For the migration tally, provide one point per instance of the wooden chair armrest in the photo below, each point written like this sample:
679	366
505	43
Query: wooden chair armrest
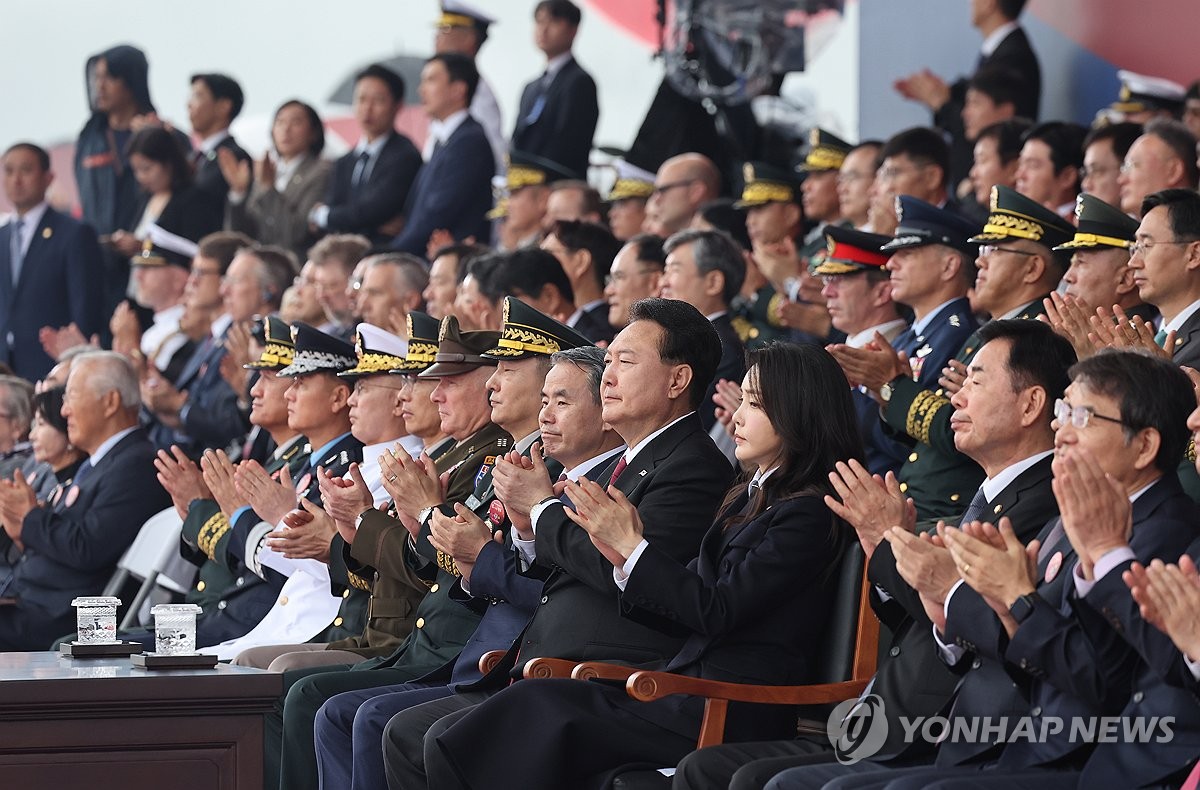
490	660
589	670
647	686
542	668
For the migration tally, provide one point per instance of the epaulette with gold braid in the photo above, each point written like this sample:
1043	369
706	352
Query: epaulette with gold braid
921	413
213	530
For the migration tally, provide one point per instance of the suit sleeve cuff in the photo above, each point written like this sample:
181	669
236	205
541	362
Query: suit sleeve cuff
621	575
1101	568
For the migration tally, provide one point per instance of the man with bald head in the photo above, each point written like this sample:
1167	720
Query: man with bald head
70	547
682	184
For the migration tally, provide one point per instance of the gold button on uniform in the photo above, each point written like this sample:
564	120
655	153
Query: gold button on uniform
420	622
337	621
954	497
912	458
345	593
200	586
903	487
283	600
999	508
433	589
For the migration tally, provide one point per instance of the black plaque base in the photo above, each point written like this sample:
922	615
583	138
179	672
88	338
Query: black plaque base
157	661
117	649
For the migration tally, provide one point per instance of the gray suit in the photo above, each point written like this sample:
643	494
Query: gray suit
273	217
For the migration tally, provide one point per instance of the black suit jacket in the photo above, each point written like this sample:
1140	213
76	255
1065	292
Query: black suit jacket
732	366
209	179
593	324
61	281
190	213
1187	343
559	121
72	548
676	482
912	679
379	200
453	191
1014	52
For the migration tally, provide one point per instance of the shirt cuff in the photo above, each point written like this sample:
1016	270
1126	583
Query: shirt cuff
320	216
526	547
236	198
1100	568
621	575
951	654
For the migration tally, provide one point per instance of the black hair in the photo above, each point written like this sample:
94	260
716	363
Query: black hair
393	81
1153	392
314	122
649	249
463	253
688	338
529	269
1011	9
161	146
560	9
714	250
1008	135
42	156
1037	355
1183	210
1120	135
222	246
723	214
1001	84
460	68
222	86
924	146
1065	141
47	405
596	239
807	399
484	269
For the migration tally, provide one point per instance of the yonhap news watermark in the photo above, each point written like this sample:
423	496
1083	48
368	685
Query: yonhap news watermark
858	729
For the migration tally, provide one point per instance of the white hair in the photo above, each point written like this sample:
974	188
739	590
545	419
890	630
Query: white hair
110	371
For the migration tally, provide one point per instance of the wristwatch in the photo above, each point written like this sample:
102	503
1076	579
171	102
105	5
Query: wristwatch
885	392
424	514
1023	607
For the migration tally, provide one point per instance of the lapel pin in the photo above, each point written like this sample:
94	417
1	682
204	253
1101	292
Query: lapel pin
642	473
47	233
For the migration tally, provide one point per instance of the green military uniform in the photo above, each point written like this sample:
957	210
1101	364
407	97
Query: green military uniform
826	153
757	319
935	473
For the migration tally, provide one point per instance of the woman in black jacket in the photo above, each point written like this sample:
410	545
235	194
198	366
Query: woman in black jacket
754	604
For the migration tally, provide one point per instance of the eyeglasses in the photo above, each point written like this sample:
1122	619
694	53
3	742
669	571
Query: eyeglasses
849	177
1142	247
991	249
659	190
620	277
361	386
1097	171
892	173
1078	416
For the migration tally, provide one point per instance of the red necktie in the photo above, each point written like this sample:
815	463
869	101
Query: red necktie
612	481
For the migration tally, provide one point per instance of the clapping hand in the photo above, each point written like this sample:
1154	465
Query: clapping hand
462	536
413	484
270	499
995	564
1095	508
181	478
1169	597
305	535
869	503
611	521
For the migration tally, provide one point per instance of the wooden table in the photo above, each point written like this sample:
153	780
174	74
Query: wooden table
101	723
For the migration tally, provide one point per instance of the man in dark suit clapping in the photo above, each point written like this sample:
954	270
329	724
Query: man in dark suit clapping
370	184
70	546
453	192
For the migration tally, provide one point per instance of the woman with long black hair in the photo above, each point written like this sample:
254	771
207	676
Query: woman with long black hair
753	605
